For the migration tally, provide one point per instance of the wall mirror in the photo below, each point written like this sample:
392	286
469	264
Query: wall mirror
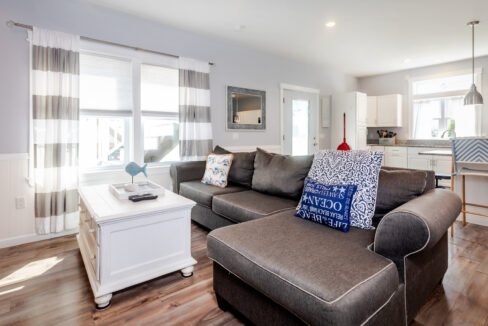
246	108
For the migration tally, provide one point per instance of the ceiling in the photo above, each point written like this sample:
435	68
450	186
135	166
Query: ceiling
370	37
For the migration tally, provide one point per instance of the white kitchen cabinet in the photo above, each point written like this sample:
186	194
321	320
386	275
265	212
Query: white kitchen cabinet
438	164
442	164
419	163
385	111
389	110
377	148
396	156
354	105
372	109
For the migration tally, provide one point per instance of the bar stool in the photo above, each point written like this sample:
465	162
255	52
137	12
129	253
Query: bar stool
442	176
470	155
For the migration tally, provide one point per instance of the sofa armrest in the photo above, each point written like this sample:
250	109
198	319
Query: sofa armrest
416	225
186	171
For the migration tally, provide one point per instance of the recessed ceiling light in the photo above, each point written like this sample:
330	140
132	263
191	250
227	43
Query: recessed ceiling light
330	24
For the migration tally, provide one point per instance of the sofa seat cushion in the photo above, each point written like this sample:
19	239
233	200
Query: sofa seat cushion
203	193
249	205
321	275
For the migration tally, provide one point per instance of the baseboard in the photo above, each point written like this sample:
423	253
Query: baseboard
27	238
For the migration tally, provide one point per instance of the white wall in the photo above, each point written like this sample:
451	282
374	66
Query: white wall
235	65
397	82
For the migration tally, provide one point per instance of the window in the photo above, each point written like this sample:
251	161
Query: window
159	104
106	105
300	116
128	107
438	108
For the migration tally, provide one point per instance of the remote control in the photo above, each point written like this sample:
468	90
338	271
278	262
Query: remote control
136	198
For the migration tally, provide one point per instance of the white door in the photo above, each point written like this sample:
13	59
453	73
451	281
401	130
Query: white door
300	118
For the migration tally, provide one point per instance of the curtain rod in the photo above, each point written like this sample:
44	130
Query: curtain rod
11	24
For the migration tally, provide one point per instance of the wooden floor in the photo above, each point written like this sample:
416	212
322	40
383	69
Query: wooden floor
44	283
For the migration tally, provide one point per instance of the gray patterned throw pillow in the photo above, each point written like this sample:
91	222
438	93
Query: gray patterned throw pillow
360	168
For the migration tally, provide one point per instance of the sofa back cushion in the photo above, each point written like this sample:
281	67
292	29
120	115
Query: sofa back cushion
242	167
396	187
430	179
280	175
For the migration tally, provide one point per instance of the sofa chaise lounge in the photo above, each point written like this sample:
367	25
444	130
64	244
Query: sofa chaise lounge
273	268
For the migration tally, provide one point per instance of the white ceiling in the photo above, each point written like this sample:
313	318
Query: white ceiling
371	36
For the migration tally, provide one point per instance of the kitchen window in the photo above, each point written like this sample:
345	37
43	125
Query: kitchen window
128	107
438	109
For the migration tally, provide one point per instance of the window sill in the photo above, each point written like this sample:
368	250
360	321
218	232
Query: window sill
120	169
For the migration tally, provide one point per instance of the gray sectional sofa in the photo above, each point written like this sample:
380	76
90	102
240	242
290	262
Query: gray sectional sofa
272	268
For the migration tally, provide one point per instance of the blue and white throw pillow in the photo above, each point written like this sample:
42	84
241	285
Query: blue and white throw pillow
217	169
327	205
357	167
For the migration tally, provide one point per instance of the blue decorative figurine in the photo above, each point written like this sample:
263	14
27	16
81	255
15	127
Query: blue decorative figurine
134	169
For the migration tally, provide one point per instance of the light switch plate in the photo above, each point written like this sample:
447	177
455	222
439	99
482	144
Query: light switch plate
20	202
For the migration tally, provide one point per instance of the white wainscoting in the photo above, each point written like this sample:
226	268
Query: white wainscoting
17	225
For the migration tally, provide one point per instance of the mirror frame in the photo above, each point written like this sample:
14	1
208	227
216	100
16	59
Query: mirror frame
236	126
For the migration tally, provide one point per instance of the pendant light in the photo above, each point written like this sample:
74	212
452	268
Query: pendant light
473	97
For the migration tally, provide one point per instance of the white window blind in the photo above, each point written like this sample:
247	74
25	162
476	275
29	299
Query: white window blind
105	83
159	89
129	103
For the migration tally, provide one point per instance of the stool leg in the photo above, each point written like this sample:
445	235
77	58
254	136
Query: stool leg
452	189
464	199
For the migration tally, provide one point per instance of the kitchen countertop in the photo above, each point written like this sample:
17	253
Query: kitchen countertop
438	152
411	145
414	143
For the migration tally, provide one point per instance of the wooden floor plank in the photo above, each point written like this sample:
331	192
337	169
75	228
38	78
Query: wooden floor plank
45	283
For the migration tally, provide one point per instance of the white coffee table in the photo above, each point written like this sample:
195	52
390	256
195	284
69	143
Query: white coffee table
124	243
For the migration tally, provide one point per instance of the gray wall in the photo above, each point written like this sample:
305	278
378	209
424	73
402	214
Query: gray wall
397	82
234	65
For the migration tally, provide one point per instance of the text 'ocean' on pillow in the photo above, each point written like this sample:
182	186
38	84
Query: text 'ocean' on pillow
327	205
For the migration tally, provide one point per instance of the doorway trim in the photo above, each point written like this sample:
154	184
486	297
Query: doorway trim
291	87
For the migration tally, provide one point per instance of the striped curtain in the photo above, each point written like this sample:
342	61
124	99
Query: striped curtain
195	121
55	119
